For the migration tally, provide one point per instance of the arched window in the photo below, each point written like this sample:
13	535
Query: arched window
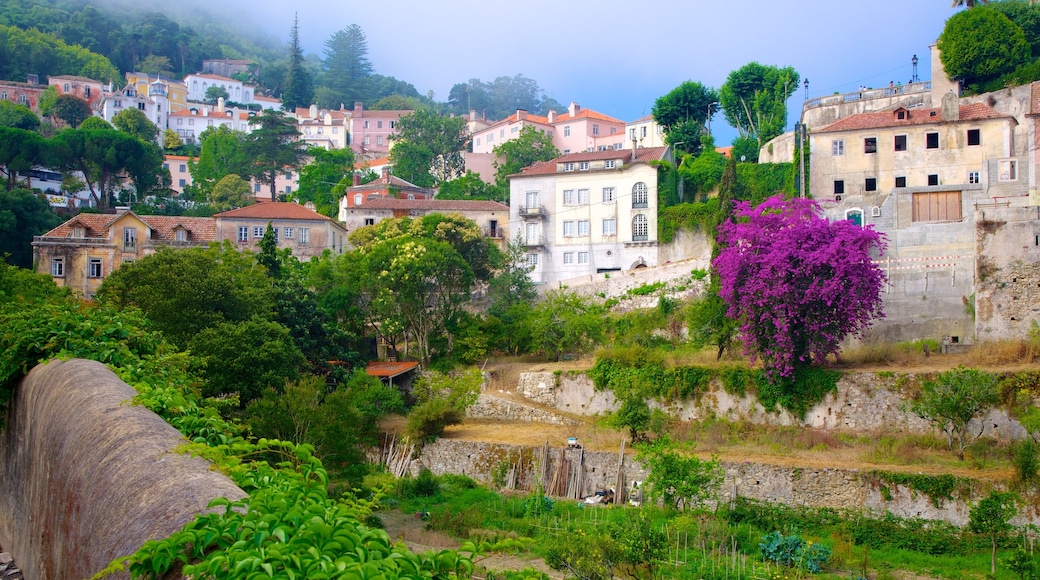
640	195
640	228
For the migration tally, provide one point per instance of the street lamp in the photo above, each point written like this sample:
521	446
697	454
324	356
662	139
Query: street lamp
914	77
806	85
707	124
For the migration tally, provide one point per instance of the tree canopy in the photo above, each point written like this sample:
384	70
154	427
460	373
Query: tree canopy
797	283
136	123
501	97
433	140
298	86
345	68
980	45
23	214
272	148
754	100
324	180
684	111
530	146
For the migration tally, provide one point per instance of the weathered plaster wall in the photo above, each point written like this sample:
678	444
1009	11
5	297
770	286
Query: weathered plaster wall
88	477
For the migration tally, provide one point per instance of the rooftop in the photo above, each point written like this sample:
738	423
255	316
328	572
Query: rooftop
96	225
274	210
626	156
914	116
443	205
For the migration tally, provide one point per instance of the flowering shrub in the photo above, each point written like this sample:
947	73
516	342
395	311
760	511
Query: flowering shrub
798	283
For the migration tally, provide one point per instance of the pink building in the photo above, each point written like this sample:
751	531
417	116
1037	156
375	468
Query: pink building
575	131
180	177
87	89
370	130
27	93
387	186
485	140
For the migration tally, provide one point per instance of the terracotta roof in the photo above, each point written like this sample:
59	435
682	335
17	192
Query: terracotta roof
917	116
649	117
514	118
163	227
389	369
274	210
642	155
177	158
383	182
73	78
264	98
725	151
434	204
585	114
375	162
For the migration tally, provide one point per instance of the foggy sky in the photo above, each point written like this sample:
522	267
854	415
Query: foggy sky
617	56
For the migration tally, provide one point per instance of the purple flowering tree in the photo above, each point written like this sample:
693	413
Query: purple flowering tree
797	283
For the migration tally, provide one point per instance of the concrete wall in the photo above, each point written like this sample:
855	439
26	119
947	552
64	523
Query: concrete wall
88	477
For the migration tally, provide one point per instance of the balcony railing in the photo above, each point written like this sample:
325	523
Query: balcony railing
640	238
532	211
640	204
880	93
493	233
534	242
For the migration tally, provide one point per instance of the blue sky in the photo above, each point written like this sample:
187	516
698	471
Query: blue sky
618	56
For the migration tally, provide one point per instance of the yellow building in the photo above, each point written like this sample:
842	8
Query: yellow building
81	252
177	91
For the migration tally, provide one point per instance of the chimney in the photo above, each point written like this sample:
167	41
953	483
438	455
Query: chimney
220	104
205	112
552	116
357	178
573	108
386	174
314	111
521	114
472	114
32	80
359	109
121	209
951	110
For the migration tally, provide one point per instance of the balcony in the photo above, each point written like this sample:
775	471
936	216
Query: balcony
493	233
640	238
532	212
640	205
534	242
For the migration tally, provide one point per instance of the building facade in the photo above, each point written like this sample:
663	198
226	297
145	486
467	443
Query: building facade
27	93
325	128
387	186
89	90
301	229
588	213
199	83
176	91
490	216
370	130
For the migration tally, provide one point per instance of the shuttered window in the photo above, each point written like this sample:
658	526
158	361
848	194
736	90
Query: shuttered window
939	206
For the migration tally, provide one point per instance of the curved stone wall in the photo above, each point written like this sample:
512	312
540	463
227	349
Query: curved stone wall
87	476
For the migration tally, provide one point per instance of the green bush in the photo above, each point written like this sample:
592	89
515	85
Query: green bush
428	421
794	552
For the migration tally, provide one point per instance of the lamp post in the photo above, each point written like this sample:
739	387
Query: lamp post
707	124
914	61
806	85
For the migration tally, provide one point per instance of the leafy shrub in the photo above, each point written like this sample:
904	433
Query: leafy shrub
423	485
794	552
428	421
1026	463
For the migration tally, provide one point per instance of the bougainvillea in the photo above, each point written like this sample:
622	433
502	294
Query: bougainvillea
798	283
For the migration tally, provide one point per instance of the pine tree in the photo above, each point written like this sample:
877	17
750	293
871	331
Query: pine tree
298	88
346	64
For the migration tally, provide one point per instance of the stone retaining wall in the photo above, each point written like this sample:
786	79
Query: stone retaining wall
492	407
87	476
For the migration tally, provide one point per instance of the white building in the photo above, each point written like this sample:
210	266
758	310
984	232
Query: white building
155	105
199	83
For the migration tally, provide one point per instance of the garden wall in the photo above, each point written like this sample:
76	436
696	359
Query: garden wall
87	476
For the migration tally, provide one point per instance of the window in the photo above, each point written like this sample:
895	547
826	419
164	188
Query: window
490	137
583	227
568	197
609	164
568	229
632	133
258	231
182	168
95	269
933	179
181	235
86	92
368	140
901	182
366	124
358	199
931	140
379	140
289	233
974	137
974	177
583	166
58	267
937	206
838	147
129	238
568	258
476	142
640	195
613	130
274	231
609	227
182	182
568	167
1008	170
900	144
393	124
256	188
640	228
839	186
379	124
871	184
514	129
642	132
595	129
305	236
567	131
583	257
243	234
608	194
870	145
501	132
66	87
288	189
901	114
855	216
583	197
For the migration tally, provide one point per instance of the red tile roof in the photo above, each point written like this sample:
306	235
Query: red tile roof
585	114
441	205
389	369
887	119
642	155
264	98
274	210
163	227
514	118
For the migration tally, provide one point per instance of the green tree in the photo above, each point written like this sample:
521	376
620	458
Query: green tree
96	124
298	87
441	400
991	517
953	400
48	97
412	161
1027	16
754	100
678	476
18	116
684	112
444	137
20	150
469	186
171	140
26	50
272	148
466	237
231	192
702	173
23	214
215	93
103	155
565	322
155	65
512	284
134	122
221	154
71	109
346	66
320	179
528	148
979	45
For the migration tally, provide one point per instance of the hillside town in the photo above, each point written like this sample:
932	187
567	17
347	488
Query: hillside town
366	333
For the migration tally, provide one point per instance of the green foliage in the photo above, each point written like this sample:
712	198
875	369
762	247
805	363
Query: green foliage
953	399
991	517
20	150
691	216
23	214
754	100
437	141
677	476
18	116
298	86
565	322
134	122
231	192
526	149
1027	464
760	181
1024	564
939	488
324	180
346	67
215	93
459	389
801	392
636	372
981	44
470	186
104	157
794	552
426	422
272	147
71	109
684	111
702	173
221	154
29	51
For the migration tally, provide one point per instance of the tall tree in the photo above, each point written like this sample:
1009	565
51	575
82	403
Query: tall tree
797	283
221	154
18	116
345	66
136	123
23	214
71	109
991	516
443	137
979	45
20	150
102	155
754	99
684	111
273	147
298	87
530	146
320	179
